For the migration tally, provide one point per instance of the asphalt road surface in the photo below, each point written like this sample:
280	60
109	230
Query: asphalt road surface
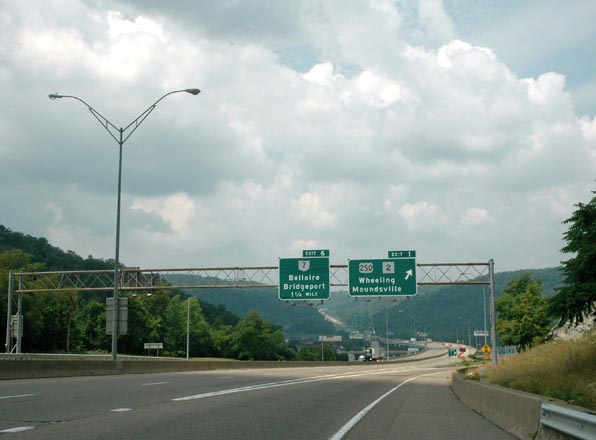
366	401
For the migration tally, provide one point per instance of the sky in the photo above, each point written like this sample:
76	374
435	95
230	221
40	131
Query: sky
464	130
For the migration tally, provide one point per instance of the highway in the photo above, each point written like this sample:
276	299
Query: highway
364	401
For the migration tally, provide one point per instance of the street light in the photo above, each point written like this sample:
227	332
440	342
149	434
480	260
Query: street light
120	135
188	328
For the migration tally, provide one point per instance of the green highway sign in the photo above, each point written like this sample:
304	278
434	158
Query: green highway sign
316	253
304	279
382	277
452	352
402	254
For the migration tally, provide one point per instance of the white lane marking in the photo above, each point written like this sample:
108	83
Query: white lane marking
285	383
120	410
154	383
17	429
19	395
225	377
354	420
242	389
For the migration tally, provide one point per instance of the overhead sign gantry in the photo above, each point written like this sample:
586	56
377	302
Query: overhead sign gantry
326	276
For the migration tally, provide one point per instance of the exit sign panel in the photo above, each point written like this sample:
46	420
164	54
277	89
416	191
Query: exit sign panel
304	278
382	277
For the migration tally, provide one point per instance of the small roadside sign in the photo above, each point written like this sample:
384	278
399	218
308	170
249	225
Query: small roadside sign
486	349
402	254
330	339
316	253
452	352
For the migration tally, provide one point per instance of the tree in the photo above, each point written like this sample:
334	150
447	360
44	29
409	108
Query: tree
256	339
143	326
313	353
15	260
577	297
522	313
94	327
200	337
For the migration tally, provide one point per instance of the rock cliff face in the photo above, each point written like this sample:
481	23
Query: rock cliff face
570	331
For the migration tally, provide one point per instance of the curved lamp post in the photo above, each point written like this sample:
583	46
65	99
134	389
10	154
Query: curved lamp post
120	135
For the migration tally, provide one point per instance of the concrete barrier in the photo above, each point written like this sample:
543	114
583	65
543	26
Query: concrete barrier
514	411
29	366
40	368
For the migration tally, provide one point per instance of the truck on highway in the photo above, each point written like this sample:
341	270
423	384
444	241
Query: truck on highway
374	354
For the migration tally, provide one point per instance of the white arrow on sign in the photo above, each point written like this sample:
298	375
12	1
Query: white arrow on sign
409	274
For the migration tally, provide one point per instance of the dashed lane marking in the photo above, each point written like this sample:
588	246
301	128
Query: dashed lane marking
18	395
17	429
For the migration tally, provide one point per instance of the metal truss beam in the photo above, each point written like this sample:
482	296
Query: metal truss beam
133	279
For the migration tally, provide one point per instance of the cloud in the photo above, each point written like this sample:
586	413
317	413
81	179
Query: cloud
309	208
476	217
178	210
387	127
422	216
433	16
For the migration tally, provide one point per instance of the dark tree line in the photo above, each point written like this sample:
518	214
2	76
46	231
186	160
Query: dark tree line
75	322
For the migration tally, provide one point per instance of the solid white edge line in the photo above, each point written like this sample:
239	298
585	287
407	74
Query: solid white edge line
17	429
354	420
154	383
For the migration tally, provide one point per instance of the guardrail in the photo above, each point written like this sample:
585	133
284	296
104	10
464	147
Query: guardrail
577	424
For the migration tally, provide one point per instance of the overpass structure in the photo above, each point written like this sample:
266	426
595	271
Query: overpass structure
137	279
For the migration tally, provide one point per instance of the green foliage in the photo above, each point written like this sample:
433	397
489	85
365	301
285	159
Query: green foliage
15	260
256	339
94	327
578	295
76	322
200	335
446	311
559	369
296	322
217	314
51	257
313	353
522	313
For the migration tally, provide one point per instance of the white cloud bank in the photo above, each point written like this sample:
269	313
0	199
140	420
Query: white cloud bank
379	144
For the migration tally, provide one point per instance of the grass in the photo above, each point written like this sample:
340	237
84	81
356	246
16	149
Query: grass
564	370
